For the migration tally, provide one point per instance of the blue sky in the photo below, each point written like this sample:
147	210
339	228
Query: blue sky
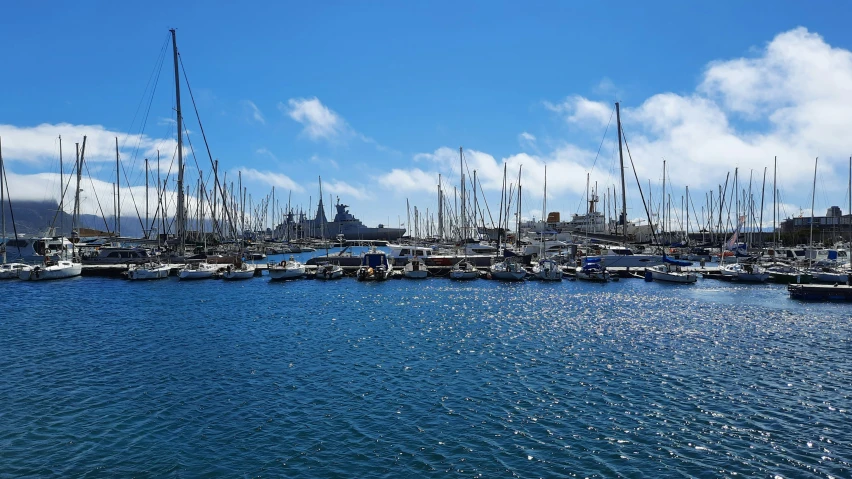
377	96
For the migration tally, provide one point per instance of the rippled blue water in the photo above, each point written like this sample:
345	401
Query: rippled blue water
108	378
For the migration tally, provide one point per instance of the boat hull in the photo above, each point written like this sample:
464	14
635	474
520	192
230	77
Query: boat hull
672	277
11	270
65	269
139	274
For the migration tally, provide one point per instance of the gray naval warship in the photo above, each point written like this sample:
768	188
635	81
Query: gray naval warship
349	226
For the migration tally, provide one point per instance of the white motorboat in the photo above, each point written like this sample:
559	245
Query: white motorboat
592	270
148	271
327	270
622	257
51	270
290	269
374	266
11	270
415	268
744	272
243	271
464	270
547	270
828	275
508	270
197	271
670	273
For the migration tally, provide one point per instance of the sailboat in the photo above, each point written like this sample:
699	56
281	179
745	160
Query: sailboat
241	270
415	268
465	269
510	269
290	269
546	269
7	270
64	264
148	271
326	269
591	269
375	266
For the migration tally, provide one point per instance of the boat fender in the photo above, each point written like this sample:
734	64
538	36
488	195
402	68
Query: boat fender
649	276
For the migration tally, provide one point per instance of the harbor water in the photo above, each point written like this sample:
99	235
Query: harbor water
110	378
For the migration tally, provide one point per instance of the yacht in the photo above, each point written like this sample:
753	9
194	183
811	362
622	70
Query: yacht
51	270
197	271
148	271
464	270
623	257
509	269
290	269
374	266
547	270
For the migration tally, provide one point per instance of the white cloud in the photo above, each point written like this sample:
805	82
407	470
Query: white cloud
320	122
255	112
792	99
344	189
410	180
527	140
39	145
582	111
268	178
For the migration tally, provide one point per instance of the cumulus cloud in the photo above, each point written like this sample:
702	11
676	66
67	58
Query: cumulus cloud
342	188
319	121
269	178
39	145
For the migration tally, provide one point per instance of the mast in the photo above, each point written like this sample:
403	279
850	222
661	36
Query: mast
518	212
461	171
117	192
623	186
475	209
61	196
762	193
216	198
813	197
3	201
775	199
440	209
146	197
850	204
543	213
181	213
665	216
76	222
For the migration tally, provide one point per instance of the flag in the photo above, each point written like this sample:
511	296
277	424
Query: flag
733	241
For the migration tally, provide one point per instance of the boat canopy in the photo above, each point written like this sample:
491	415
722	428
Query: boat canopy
374	260
676	262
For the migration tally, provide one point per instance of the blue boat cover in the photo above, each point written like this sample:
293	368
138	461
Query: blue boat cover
373	260
591	260
676	262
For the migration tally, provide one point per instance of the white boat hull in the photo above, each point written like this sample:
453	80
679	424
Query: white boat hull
236	274
11	270
62	270
463	274
672	276
146	273
276	274
744	274
547	270
330	273
200	271
599	276
509	275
